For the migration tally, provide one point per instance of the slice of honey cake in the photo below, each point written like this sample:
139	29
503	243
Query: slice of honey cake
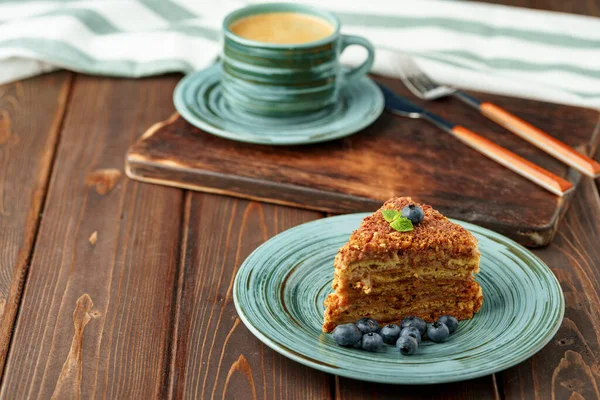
391	268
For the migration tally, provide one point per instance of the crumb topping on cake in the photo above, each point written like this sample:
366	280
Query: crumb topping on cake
376	239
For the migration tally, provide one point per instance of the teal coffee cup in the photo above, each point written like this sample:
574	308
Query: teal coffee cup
283	59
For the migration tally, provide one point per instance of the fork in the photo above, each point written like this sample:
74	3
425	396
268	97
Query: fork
425	88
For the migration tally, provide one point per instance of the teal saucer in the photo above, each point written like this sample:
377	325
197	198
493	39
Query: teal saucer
199	99
280	288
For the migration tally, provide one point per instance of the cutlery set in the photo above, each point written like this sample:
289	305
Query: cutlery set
425	88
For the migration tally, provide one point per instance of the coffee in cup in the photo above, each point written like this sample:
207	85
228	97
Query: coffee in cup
282	28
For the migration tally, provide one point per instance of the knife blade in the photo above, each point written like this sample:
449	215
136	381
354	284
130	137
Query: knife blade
396	103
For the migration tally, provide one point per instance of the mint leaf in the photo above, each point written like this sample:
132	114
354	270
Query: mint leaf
390	215
402	224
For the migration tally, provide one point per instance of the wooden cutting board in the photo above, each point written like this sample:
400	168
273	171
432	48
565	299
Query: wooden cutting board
395	156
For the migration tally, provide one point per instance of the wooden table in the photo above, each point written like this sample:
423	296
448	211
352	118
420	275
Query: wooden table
111	288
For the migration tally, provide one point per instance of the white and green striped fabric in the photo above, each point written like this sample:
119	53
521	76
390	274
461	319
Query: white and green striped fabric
519	52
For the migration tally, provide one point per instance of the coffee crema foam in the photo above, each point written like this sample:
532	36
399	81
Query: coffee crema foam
282	28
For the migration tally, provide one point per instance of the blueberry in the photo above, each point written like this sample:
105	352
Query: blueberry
415	322
414	213
407	345
412	332
451	322
438	332
367	325
346	335
390	333
371	341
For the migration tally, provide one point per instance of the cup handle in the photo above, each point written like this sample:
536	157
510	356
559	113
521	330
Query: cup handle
362	69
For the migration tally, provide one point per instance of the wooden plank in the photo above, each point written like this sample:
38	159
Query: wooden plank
477	389
96	313
393	157
569	366
215	356
31	112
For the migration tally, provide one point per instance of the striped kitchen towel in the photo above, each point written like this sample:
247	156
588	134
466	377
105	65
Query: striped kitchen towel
519	52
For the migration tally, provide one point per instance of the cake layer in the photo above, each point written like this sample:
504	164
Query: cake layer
384	312
436	237
343	303
376	286
368	277
457	265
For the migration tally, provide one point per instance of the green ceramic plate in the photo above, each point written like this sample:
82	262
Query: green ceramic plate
280	288
199	99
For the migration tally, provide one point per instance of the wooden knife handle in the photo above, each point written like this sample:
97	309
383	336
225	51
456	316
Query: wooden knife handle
529	170
541	139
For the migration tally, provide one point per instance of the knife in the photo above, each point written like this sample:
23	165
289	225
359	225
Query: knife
401	106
